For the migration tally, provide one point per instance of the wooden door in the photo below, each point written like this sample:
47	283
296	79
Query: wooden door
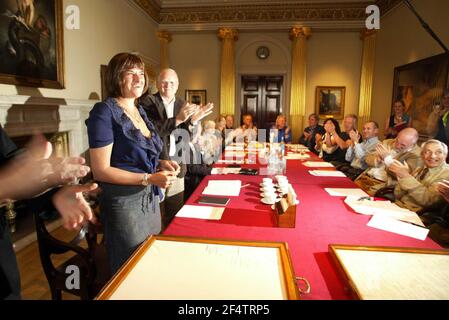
262	97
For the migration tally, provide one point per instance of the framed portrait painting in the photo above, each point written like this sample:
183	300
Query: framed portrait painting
420	86
196	96
31	43
330	102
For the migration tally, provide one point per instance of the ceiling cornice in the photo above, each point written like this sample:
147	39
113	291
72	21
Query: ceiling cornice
345	15
151	7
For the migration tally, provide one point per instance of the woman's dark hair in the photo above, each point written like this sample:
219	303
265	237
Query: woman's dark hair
119	64
335	122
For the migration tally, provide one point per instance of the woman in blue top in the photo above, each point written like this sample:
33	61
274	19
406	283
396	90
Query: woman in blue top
284	132
124	152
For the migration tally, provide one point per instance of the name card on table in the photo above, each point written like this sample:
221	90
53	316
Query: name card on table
318	164
223	188
399	227
384	208
345	192
200	212
327	173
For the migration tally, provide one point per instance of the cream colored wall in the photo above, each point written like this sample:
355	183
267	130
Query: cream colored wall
334	59
277	63
402	40
107	27
196	59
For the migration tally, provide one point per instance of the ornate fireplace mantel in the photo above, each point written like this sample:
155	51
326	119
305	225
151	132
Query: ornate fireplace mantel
25	115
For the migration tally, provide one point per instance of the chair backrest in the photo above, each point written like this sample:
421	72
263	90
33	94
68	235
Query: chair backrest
58	276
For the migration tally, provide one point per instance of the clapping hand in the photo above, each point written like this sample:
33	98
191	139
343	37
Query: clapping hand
33	172
382	152
354	135
401	170
73	207
307	136
202	112
186	111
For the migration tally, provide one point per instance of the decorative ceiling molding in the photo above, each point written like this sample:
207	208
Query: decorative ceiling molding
151	7
387	5
273	16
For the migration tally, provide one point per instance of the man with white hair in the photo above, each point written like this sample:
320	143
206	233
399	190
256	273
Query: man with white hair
403	148
418	190
168	113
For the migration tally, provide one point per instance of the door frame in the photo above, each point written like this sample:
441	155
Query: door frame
285	98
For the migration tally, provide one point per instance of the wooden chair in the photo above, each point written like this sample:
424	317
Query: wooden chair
91	262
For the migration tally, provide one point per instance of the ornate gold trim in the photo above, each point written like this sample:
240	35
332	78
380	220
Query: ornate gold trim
296	32
164	35
228	33
150	7
274	12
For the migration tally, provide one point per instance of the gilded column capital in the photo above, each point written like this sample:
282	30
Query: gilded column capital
298	32
228	33
164	35
367	33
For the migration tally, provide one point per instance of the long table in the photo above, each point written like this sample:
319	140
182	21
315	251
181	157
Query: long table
320	220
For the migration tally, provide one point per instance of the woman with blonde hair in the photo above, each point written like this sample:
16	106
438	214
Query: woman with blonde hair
283	131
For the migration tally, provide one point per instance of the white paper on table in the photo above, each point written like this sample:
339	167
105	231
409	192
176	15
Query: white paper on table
200	212
326	173
296	156
223	188
399	227
234	148
234	154
231	161
383	208
225	171
318	164
345	192
298	146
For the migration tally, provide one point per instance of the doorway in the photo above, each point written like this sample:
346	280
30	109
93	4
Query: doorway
261	96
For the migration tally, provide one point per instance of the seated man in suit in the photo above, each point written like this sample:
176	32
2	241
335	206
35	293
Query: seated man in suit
168	112
418	190
312	133
357	152
403	148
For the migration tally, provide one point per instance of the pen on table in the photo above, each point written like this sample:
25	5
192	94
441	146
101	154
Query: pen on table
245	185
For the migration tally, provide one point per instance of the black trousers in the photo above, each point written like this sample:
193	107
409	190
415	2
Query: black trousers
170	207
9	270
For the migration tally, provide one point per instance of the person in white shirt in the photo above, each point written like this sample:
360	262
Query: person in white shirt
357	152
169	112
247	131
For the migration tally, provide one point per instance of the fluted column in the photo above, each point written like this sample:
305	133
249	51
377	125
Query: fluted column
298	35
164	39
228	37
366	78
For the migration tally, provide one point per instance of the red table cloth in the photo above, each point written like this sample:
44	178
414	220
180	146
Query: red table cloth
320	220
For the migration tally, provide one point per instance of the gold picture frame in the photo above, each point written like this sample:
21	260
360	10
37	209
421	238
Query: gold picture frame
393	273
33	37
199	268
330	102
198	97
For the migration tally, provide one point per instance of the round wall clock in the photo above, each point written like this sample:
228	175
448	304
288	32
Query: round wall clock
262	52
